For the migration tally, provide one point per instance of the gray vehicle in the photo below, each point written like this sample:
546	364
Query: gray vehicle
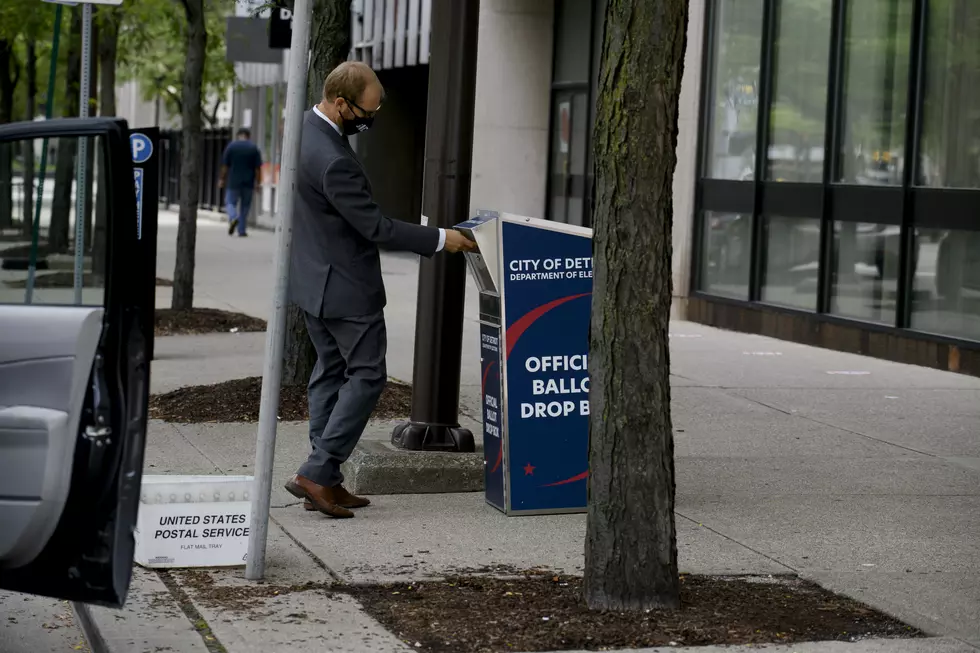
74	384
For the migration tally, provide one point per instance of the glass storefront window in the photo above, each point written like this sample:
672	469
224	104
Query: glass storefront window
792	262
946	297
799	109
572	35
950	146
734	96
876	69
725	255
866	270
569	174
866	260
569	142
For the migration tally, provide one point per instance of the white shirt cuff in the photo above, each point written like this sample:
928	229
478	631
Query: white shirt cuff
442	240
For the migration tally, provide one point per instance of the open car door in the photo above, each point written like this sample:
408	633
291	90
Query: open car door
74	374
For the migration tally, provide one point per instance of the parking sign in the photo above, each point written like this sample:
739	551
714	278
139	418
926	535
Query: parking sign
138	176
142	148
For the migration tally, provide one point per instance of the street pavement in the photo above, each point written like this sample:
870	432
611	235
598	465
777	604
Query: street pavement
35	624
861	474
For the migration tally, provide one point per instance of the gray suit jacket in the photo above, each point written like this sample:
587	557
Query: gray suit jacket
335	266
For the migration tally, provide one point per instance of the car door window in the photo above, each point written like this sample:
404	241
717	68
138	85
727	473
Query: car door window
52	247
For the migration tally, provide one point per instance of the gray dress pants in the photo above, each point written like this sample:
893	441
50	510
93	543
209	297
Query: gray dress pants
344	389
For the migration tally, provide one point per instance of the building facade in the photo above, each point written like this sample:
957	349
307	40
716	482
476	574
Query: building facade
859	228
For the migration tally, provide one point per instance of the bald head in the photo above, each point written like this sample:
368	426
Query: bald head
349	80
352	95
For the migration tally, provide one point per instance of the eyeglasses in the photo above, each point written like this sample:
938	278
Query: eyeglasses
367	114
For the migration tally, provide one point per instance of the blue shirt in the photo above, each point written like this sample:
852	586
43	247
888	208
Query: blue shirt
241	158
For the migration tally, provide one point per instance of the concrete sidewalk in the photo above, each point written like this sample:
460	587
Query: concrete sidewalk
861	474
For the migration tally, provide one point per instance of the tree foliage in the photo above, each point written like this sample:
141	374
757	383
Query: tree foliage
152	40
23	22
152	46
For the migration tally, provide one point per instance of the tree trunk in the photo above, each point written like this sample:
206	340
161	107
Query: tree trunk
7	86
631	543
64	171
30	113
190	154
107	51
330	46
91	95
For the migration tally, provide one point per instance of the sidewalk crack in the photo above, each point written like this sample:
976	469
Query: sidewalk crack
741	544
320	563
839	428
196	448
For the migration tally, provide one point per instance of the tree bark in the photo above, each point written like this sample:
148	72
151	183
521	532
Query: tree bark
330	46
631	543
6	81
64	172
107	51
30	113
190	153
8	84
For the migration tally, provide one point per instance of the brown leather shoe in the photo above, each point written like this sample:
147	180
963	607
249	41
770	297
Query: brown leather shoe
344	499
320	497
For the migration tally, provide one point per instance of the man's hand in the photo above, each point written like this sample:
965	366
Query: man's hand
221	182
457	242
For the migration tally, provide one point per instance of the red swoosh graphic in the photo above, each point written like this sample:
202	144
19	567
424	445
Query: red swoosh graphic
486	373
574	479
517	329
500	457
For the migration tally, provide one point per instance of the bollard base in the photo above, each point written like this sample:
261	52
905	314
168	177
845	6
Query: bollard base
376	468
415	436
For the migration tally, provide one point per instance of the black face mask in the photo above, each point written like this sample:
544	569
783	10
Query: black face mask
357	124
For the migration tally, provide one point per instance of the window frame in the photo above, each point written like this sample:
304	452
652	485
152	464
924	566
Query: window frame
561	88
908	206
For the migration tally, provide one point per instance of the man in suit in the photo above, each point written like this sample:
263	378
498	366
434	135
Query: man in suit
335	277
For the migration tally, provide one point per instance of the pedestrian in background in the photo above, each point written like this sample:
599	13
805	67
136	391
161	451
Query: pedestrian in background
335	277
241	174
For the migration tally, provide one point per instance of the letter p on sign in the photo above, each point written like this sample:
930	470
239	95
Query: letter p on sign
141	146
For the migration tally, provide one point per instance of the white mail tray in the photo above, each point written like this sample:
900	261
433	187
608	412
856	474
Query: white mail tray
193	521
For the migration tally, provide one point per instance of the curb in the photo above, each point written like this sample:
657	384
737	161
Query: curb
93	636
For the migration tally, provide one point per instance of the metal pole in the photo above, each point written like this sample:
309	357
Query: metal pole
39	197
276	121
259	137
81	187
265	448
445	199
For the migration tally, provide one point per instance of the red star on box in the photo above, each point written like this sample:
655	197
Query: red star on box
529	470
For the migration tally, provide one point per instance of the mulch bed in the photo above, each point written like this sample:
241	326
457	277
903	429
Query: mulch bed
24	251
66	279
547	613
13	236
197	321
537	611
238	401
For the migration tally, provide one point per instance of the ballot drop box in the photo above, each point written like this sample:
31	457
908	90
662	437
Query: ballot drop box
535	283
